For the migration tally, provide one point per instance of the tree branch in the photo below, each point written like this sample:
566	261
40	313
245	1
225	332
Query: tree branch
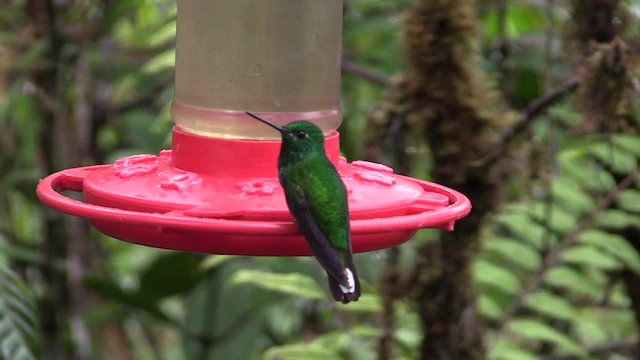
525	118
365	73
554	255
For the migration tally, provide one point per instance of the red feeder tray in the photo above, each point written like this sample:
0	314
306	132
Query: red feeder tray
222	196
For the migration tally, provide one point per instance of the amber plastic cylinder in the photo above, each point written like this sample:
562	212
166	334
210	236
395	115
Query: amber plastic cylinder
277	58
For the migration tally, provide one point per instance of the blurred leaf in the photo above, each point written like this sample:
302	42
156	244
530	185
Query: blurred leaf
559	219
26	126
378	25
617	219
618	160
300	352
585	172
366	303
489	308
612	323
566	114
409	337
590	256
24	217
366	331
107	137
114	292
171	274
590	329
569	278
34	53
528	258
615	245
138	124
536	330
293	284
629	200
522	226
165	34
213	261
520	20
20	253
283	322
551	305
505	350
335	340
161	62
117	9
628	142
570	196
528	78
490	274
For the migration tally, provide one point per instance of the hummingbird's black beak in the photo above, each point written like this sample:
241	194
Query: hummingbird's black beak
265	121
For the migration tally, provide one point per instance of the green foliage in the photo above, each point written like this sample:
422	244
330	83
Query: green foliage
614	245
19	326
300	352
629	200
496	276
176	304
522	19
112	291
528	258
525	233
569	278
171	274
551	305
505	350
293	284
533	329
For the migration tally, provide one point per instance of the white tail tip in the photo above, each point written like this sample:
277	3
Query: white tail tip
350	280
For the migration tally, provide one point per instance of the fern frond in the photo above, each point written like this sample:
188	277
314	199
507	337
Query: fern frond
547	265
18	321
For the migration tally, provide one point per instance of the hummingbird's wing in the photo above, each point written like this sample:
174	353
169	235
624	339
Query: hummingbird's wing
321	247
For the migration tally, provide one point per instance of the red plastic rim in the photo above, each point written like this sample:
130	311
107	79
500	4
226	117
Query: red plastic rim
233	204
260	237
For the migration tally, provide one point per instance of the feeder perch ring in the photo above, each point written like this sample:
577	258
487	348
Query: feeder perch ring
183	200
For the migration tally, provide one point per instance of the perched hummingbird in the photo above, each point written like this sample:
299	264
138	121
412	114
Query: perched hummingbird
317	199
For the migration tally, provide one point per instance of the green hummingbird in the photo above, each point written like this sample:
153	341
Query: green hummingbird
317	199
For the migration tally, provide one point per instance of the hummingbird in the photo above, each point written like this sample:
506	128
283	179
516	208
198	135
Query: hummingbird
317	199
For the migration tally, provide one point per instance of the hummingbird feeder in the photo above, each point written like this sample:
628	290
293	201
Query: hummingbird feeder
217	190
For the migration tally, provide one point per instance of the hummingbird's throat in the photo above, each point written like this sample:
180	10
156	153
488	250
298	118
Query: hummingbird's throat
350	281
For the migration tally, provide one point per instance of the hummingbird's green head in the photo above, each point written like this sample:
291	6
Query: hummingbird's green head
302	136
298	137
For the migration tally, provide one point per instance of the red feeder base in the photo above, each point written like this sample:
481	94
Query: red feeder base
222	196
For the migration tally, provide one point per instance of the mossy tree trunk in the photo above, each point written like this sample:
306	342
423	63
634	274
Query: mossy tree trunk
452	102
445	97
610	57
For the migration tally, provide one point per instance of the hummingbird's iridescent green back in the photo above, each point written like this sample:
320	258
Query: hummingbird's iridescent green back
317	199
310	180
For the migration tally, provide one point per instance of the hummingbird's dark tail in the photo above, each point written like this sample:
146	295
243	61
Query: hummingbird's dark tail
350	290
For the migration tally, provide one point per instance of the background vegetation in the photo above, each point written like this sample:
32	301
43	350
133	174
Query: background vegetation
529	107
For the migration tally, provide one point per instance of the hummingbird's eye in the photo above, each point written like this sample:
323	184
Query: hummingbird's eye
300	134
